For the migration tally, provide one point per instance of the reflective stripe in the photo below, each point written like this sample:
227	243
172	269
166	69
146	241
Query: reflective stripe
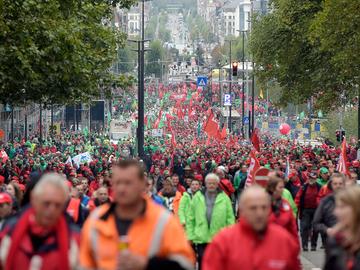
94	234
158	233
183	261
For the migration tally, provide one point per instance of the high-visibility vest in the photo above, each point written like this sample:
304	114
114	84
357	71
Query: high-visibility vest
156	233
73	209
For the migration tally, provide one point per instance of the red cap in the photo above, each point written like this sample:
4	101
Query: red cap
5	198
22	187
356	164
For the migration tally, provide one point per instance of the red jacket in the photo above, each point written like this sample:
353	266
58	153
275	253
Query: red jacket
226	186
286	219
240	247
47	256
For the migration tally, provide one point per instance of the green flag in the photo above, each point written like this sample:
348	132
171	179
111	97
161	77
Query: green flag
302	115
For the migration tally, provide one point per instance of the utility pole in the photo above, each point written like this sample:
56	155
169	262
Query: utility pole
141	68
230	90
12	123
221	94
252	98
52	120
26	124
358	114
41	134
243	84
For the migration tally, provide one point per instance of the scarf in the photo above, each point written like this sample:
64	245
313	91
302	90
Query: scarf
26	222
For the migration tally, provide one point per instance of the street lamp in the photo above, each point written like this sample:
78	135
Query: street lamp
230	90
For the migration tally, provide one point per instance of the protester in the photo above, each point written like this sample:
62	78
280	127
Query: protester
185	202
101	197
324	217
176	182
151	192
253	243
281	212
209	212
75	210
40	237
133	232
6	207
343	248
306	201
170	195
14	190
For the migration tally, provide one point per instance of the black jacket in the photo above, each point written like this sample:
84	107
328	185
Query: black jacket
337	257
324	217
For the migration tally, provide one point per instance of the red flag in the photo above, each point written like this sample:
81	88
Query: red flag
255	140
341	167
254	166
146	120
211	127
173	139
223	133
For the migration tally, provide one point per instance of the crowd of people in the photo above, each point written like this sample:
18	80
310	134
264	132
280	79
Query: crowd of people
188	203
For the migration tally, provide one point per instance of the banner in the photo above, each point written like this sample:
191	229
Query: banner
82	158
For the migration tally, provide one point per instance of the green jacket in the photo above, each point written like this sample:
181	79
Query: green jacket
321	181
288	197
184	207
199	231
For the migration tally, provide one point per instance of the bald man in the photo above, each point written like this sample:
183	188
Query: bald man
253	243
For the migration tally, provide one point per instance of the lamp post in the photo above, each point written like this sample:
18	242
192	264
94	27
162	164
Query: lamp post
230	90
221	94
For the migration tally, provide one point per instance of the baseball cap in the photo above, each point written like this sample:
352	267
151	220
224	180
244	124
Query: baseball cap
5	198
324	170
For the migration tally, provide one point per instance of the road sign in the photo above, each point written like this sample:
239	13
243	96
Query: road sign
261	176
202	81
246	120
227	100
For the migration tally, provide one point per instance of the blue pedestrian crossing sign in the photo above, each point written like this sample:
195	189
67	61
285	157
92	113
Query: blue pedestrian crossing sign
246	120
202	81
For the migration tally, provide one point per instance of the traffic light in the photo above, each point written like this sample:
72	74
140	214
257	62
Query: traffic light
340	135
235	68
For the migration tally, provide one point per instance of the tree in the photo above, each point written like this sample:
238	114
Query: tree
337	29
155	54
56	51
287	48
125	60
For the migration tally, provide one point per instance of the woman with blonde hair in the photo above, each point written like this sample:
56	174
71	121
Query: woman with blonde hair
343	247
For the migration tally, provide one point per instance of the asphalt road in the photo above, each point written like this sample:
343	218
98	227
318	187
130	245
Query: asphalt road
313	260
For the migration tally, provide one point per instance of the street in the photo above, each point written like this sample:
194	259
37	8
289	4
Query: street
312	260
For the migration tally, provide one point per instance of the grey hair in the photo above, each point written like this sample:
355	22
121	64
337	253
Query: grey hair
212	176
53	179
338	175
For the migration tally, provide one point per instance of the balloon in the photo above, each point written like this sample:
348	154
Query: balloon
284	129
